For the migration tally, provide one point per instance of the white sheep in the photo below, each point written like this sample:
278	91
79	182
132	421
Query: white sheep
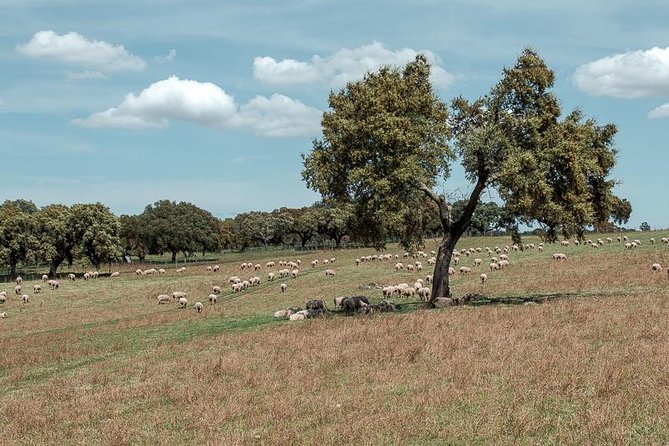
178	295
73	277
428	279
216	268
465	270
3	315
559	256
17	289
199	307
53	284
183	302
150	271
424	293
213	299
329	272
656	267
281	314
399	266
114	274
297	317
314	263
478	262
209	268
163	299
483	277
410	267
87	276
494	266
294	273
37	289
181	270
451	270
45	278
270	276
216	289
25	298
161	271
283	287
19	280
357	262
652	240
138	271
257	267
3	298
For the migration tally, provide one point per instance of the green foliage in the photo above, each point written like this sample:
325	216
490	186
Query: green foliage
644	226
97	231
18	242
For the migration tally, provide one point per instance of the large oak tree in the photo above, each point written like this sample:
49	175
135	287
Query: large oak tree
388	140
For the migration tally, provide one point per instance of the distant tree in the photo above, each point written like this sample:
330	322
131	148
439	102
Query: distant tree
644	226
385	143
18	241
57	239
135	236
333	221
97	233
181	227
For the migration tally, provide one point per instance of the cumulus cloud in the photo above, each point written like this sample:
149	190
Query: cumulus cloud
660	112
73	48
343	66
206	104
634	74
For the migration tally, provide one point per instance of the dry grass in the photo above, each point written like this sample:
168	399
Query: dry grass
101	363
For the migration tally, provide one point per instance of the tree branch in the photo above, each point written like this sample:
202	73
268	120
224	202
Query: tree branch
444	211
465	220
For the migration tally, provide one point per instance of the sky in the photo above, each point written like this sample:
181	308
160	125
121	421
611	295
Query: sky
212	102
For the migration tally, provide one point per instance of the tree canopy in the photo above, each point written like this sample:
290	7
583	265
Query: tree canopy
388	140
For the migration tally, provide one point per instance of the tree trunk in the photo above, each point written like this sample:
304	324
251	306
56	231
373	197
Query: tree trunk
440	278
174	256
53	267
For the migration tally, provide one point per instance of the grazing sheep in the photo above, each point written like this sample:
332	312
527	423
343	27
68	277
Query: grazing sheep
559	256
313	263
138	271
409	291
399	266
54	284
237	287
199	307
45	278
216	268
451	270
150	271
25	298
161	271
294	273
503	264
17	289
329	272
283	287
183	302
163	299
73	277
114	274
483	277
87	276
357	262
37	289
494	266
3	298
465	270
213	299
209	268
424	293
270	276
410	267
182	269
3	315
19	280
656	267
216	289
178	295
257	267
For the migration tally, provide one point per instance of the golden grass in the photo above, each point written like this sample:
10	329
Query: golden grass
100	363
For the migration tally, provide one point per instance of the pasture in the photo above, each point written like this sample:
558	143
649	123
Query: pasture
100	362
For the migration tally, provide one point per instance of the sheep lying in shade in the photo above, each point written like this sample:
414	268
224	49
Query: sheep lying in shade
199	307
163	299
656	267
183	302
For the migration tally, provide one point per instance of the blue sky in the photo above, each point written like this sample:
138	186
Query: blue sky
211	102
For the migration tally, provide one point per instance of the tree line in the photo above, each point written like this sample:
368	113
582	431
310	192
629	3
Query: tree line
58	234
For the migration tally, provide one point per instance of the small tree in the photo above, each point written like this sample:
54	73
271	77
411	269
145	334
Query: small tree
385	143
644	226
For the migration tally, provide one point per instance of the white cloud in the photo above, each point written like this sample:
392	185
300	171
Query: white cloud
343	66
278	116
73	48
82	75
206	104
660	112
167	58
635	74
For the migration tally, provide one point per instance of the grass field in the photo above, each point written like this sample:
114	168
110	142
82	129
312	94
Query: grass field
99	362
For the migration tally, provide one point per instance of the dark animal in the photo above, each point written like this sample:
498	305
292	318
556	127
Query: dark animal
350	305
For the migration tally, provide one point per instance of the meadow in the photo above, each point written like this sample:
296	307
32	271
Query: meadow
583	362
